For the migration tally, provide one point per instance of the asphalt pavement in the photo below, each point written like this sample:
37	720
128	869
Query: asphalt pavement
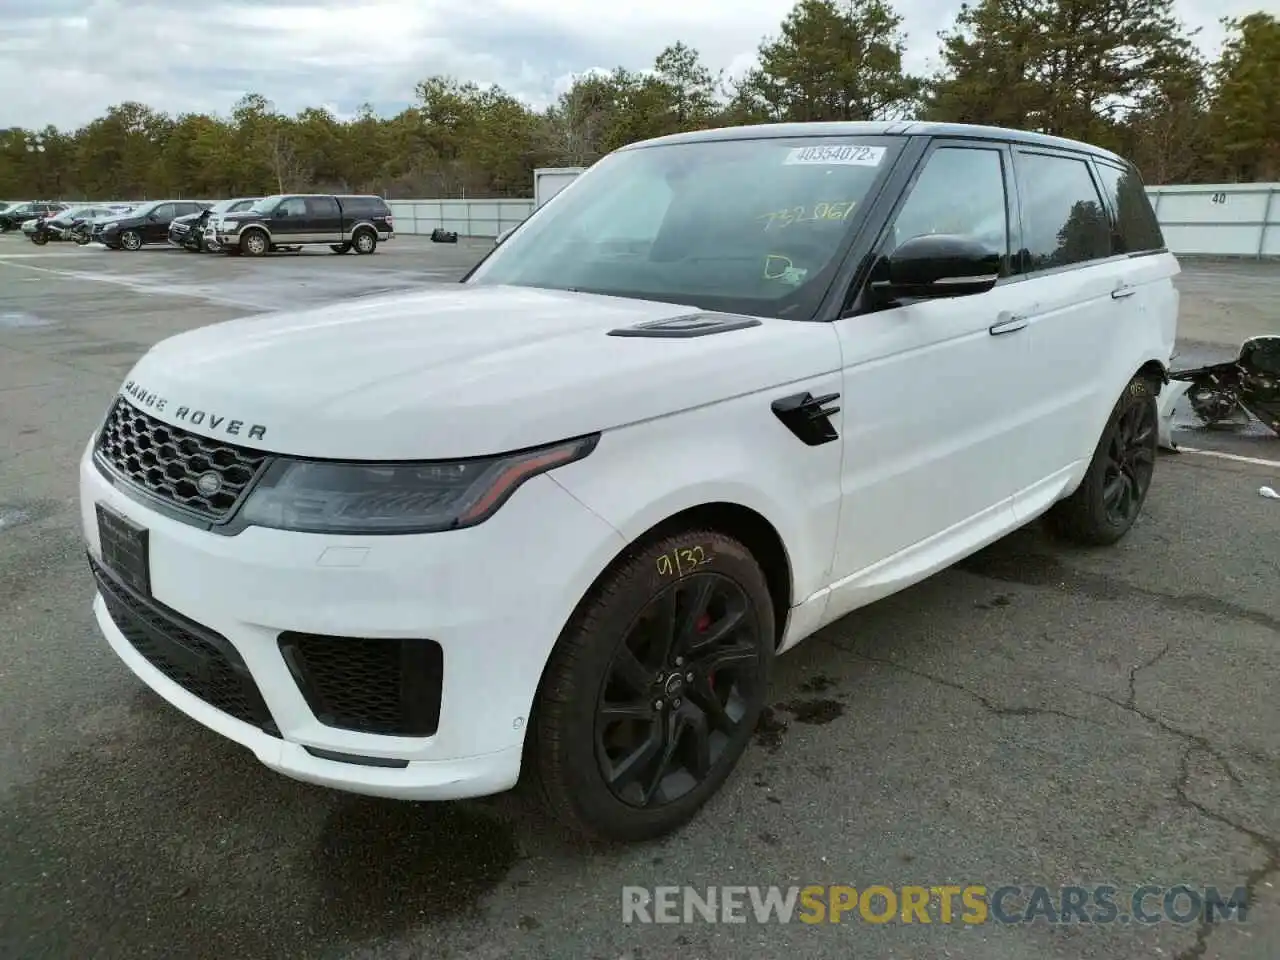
1035	716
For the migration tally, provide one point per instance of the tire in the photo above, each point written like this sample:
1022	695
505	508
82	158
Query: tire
364	241
39	239
82	238
131	240
255	243
590	660
340	247
1099	513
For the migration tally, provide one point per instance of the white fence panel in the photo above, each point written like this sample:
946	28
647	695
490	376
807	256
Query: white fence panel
467	218
1219	219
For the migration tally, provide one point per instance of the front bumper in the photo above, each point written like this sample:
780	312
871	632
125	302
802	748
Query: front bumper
494	597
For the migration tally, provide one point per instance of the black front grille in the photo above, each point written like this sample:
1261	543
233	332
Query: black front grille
170	463
202	662
390	687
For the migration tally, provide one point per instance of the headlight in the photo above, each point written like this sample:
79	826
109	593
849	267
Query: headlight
110	226
385	498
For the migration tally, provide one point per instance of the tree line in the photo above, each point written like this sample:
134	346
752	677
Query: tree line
1124	74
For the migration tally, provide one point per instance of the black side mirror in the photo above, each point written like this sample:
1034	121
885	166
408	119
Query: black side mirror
935	266
153	217
281	212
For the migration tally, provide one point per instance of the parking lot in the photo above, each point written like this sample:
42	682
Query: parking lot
1036	716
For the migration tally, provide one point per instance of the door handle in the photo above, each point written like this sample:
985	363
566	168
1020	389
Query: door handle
1119	293
1007	325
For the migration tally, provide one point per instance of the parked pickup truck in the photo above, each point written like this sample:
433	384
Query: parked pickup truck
343	223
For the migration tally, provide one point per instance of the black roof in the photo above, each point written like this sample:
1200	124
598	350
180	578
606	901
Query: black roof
900	128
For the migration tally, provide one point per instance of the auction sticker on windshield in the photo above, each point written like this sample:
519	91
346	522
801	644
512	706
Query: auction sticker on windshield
843	153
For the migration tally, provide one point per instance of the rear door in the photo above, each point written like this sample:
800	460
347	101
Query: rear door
326	219
1072	272
289	221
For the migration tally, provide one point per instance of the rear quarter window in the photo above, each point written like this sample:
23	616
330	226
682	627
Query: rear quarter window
1137	229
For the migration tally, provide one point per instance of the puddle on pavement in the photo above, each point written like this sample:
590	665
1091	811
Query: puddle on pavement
814	712
23	321
770	729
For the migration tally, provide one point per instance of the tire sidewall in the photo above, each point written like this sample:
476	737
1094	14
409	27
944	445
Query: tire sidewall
1138	391
594	639
246	243
364	242
126	245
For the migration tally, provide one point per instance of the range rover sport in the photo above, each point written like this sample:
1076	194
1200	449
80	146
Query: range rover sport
558	520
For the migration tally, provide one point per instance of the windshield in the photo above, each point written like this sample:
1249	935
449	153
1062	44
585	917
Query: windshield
145	209
265	204
744	226
71	213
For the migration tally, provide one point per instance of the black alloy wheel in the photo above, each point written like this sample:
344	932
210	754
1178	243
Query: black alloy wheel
1131	462
654	688
1110	498
677	690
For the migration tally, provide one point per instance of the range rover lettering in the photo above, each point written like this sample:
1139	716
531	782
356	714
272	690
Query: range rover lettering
558	520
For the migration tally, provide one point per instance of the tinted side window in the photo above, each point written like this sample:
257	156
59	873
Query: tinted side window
164	212
294	206
242	205
322	206
1136	224
959	191
1064	220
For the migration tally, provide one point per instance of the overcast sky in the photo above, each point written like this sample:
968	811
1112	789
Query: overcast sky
65	61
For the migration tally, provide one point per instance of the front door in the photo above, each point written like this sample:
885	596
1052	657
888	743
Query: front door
933	393
289	222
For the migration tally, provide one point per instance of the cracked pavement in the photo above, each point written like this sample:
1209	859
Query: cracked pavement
1036	715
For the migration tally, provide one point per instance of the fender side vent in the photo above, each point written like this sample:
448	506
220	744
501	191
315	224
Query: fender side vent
698	325
808	417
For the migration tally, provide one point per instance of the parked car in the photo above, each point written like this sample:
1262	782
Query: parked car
19	213
342	222
61	225
85	231
147	224
197	231
560	518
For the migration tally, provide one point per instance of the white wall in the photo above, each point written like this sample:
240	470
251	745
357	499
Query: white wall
1232	219
467	218
1227	219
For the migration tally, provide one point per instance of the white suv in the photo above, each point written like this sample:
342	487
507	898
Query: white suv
724	389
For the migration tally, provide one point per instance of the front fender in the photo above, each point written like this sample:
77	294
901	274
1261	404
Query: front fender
734	452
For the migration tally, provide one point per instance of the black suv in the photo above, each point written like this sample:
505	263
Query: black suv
15	216
195	230
342	223
149	223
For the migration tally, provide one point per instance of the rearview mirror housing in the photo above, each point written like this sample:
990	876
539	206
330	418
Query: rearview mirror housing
936	266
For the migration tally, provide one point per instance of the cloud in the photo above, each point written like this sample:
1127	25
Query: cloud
65	61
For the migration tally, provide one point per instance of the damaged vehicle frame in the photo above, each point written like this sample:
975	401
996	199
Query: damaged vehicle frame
558	520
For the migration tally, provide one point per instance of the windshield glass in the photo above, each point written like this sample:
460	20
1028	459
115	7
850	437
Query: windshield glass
744	226
265	204
145	209
71	213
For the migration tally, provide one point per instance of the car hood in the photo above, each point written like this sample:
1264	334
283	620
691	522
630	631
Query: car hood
458	371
